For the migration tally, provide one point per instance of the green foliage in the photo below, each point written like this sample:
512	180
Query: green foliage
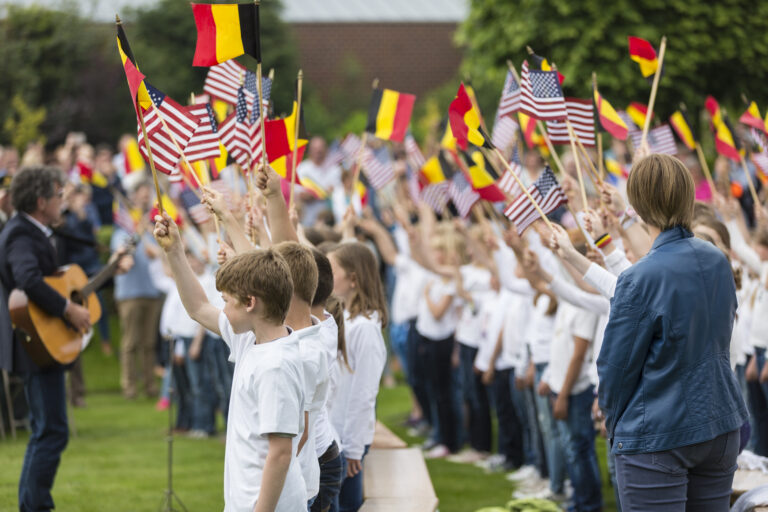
22	125
713	48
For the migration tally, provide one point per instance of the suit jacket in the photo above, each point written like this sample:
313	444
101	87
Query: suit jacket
26	256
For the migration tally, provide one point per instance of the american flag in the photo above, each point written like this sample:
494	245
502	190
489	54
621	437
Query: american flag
224	80
413	154
223	188
547	194
181	123
461	193
350	147
240	136
377	166
197	211
204	143
507	183
504	130
761	163
660	140
581	116
542	97
436	195
252	92
510	97
334	156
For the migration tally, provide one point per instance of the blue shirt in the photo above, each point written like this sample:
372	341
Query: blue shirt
136	283
664	367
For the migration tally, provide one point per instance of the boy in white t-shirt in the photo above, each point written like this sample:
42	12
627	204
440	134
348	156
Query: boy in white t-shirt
266	416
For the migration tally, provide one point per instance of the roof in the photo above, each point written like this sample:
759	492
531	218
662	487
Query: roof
375	11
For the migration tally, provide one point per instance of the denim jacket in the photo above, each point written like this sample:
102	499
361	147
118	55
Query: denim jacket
664	368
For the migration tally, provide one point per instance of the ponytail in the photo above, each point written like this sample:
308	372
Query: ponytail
335	307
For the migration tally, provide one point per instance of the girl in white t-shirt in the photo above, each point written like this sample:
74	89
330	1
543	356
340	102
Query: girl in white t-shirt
356	281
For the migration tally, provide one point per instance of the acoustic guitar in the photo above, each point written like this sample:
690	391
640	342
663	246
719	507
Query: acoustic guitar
50	340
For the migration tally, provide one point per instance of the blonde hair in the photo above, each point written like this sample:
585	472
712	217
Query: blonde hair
259	273
359	263
661	190
301	263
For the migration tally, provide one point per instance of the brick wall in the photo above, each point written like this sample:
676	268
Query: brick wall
408	57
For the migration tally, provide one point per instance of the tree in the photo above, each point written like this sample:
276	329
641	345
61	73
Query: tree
713	48
22	125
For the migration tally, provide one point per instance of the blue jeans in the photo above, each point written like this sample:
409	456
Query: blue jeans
331	477
201	387
758	401
398	339
696	477
181	390
441	384
476	399
351	496
578	435
222	372
553	447
526	412
510	435
49	433
417	371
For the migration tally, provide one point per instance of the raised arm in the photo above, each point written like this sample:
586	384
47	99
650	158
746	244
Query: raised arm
381	238
214	200
268	181
192	294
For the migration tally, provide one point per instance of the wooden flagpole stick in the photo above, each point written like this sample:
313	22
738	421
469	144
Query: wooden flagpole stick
215	218
176	144
299	80
151	162
578	223
261	117
525	190
705	167
550	146
749	180
572	137
591	165
598	132
654	88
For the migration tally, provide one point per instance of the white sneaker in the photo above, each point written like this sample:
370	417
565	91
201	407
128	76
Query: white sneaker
492	461
438	452
468	456
522	473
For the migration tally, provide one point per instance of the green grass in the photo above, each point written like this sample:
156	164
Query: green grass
117	461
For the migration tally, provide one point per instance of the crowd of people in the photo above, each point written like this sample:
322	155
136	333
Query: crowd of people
481	320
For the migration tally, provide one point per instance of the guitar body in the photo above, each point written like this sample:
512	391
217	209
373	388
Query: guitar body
48	339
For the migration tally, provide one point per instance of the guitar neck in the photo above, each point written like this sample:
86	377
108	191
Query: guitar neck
99	279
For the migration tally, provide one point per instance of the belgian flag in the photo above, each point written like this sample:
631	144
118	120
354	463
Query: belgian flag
609	119
389	114
465	122
226	31
280	141
135	78
637	112
751	117
642	52
483	177
682	127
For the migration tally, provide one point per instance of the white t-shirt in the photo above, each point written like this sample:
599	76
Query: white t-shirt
410	279
540	330
315	366
327	177
477	282
322	428
267	398
174	320
514	349
426	324
353	410
491	317
570	321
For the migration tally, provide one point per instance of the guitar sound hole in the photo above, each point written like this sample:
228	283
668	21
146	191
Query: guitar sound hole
76	297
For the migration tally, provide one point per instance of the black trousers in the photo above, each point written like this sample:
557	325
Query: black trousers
441	389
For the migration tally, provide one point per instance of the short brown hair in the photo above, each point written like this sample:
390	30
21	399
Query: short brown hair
324	278
301	262
661	190
258	273
359	263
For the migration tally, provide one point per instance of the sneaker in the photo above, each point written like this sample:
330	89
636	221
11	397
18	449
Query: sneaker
163	404
197	434
533	487
492	463
469	456
429	444
522	473
438	452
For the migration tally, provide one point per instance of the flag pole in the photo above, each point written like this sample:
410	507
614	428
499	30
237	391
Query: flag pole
591	164
299	80
524	189
363	142
654	88
749	179
151	161
598	132
572	137
699	153
176	144
261	117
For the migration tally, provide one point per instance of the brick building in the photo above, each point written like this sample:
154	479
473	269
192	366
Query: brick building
345	44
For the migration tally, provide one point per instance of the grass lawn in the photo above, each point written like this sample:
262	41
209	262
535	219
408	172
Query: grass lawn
117	460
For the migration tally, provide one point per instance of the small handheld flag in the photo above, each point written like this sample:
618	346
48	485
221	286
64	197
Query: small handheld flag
225	31
683	129
642	52
465	122
609	119
751	117
389	114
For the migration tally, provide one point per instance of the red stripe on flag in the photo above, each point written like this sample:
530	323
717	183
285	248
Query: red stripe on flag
402	116
205	51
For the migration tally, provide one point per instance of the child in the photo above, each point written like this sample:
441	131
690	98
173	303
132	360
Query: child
261	472
356	281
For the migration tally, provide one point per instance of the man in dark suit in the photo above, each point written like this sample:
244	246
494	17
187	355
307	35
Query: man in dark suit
27	254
